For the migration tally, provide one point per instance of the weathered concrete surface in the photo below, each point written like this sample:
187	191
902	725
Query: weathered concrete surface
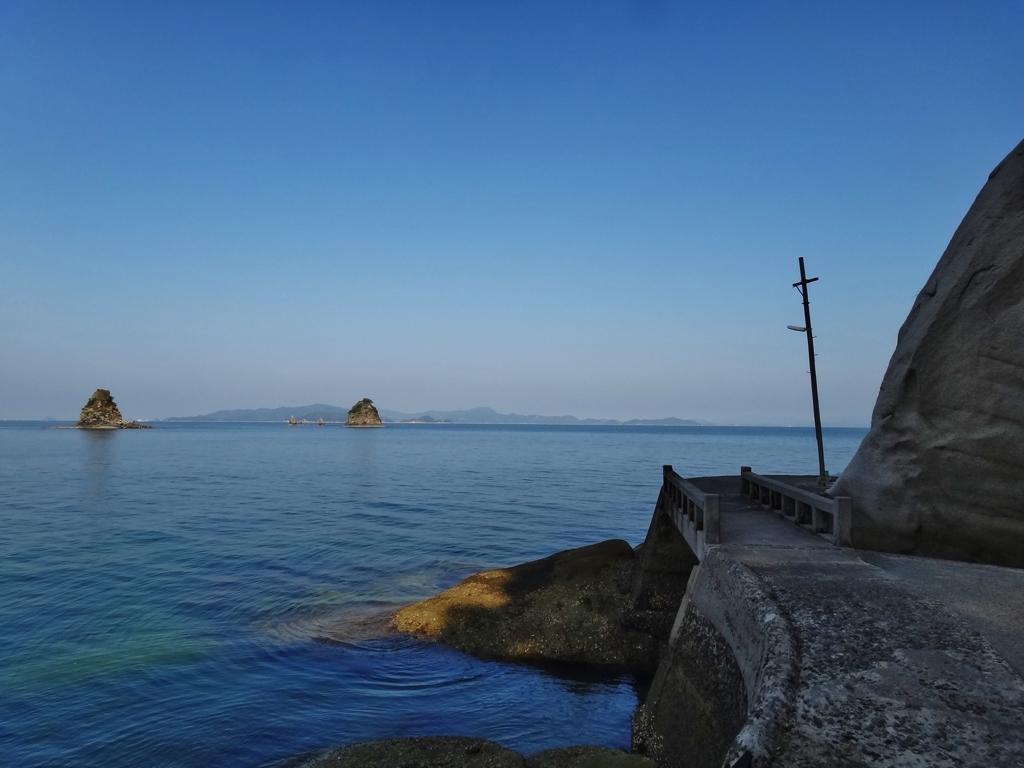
663	568
565	608
660	574
844	662
697	702
726	684
941	472
885	676
987	598
464	752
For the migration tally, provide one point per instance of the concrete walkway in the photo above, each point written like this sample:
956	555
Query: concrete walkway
901	661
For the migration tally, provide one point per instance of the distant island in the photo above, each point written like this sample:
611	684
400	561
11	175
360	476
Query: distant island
472	416
363	414
101	412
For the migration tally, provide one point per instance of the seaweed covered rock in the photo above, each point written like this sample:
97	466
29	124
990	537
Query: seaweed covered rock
101	412
464	752
583	756
426	752
565	608
941	471
363	414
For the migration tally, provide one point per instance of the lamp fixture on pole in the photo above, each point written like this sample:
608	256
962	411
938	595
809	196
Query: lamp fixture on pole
806	328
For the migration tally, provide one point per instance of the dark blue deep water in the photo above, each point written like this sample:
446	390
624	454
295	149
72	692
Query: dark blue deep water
206	594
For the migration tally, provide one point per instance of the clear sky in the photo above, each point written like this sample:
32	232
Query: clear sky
589	208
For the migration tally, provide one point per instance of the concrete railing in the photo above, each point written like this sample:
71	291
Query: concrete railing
695	513
827	517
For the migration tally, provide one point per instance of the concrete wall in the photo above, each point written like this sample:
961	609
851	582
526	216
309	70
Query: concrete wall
725	684
663	568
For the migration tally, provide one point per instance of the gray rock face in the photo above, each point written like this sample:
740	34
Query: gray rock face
941	472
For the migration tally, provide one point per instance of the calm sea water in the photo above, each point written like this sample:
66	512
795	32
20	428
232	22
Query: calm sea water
196	595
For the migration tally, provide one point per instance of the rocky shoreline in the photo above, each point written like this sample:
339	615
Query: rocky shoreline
573	607
780	650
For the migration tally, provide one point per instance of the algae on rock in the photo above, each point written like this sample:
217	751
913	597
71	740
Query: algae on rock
564	608
569	607
424	752
464	752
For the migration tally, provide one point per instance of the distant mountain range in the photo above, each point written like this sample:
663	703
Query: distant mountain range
307	412
471	416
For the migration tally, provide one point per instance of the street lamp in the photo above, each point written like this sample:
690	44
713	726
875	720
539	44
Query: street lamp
806	328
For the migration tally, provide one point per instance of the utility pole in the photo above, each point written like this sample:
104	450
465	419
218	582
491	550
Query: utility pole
802	287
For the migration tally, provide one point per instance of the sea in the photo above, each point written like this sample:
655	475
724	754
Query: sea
216	594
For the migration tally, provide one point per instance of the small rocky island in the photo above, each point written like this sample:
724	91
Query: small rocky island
101	412
363	414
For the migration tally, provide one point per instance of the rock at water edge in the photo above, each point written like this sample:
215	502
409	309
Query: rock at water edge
464	752
566	608
424	752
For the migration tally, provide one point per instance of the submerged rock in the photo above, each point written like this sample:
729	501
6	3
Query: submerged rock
563	608
101	412
363	414
941	471
464	752
428	752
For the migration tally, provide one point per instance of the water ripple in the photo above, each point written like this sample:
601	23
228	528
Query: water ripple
220	595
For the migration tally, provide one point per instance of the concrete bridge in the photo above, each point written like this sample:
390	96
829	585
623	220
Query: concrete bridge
788	649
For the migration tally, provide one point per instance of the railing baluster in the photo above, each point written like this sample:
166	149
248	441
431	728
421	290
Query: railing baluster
694	512
831	518
712	519
842	521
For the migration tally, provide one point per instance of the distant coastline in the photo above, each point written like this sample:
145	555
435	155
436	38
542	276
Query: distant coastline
332	413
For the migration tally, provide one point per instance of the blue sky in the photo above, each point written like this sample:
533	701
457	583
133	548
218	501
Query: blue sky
588	208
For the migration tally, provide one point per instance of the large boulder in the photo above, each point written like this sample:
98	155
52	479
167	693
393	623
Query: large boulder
101	412
464	752
585	756
566	608
426	752
941	471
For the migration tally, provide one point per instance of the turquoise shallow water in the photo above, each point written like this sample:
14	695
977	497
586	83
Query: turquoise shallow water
203	594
